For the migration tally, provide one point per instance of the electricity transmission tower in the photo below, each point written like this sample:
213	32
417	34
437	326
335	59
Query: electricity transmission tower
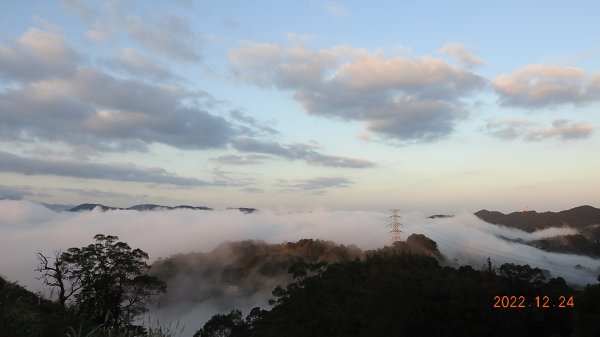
395	225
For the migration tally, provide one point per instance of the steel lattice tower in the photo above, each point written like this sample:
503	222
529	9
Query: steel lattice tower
395	225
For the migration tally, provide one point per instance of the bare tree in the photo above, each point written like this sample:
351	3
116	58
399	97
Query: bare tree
58	273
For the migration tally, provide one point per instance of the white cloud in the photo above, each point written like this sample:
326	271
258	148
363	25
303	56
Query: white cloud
334	9
532	131
231	159
563	129
463	239
109	113
461	54
137	64
317	185
402	98
169	35
299	39
539	86
37	54
299	151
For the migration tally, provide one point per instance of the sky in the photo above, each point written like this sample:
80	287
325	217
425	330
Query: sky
425	106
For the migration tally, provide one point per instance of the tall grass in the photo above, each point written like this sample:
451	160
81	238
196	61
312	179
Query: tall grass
152	328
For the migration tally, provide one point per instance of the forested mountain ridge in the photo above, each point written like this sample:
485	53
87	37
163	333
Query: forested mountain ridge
395	293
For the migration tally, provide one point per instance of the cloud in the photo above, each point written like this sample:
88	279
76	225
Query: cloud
95	193
91	111
163	234
120	172
334	9
251	124
37	54
298	151
169	35
157	32
563	129
136	64
80	8
539	86
100	32
253	190
461	54
532	131
299	39
463	239
317	185
14	193
414	99
231	159
95	109
419	120
509	128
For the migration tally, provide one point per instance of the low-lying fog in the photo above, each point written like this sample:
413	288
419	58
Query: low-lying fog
26	227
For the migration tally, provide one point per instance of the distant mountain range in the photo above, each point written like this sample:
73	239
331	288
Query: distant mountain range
585	219
152	207
57	207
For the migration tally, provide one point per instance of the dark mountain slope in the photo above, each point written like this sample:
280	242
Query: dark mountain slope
25	314
586	219
530	221
399	294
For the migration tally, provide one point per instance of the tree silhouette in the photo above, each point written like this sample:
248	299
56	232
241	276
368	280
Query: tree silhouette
58	274
111	284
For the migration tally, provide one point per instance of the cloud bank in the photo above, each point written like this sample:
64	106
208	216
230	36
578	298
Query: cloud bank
407	99
69	168
26	227
53	95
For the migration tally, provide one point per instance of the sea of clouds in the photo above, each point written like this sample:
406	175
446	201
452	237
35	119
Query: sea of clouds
27	227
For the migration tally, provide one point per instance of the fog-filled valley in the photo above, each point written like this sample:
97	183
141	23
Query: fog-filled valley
215	261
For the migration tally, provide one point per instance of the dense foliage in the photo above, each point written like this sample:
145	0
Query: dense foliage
108	280
391	293
101	288
250	268
24	314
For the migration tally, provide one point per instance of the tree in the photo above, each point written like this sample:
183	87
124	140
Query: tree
112	282
523	273
58	274
229	325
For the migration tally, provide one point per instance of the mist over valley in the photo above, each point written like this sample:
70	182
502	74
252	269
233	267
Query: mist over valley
218	260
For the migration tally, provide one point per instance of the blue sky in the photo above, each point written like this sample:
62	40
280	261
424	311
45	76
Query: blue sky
428	106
